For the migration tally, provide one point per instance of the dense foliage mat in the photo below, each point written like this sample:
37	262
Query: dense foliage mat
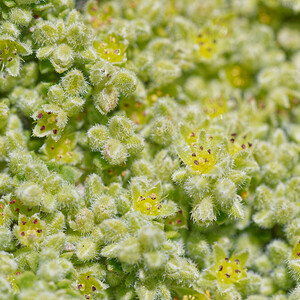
149	149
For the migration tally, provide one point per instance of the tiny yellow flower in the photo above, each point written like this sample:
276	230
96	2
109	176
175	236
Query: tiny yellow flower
214	107
230	270
199	153
111	48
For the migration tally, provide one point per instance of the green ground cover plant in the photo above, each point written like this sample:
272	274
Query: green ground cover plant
149	149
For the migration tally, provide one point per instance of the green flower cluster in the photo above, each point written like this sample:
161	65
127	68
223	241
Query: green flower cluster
149	149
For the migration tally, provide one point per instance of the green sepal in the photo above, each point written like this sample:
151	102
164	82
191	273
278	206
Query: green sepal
219	253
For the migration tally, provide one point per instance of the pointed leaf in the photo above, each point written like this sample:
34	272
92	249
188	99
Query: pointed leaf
136	191
13	67
167	210
219	253
202	139
111	251
242	257
156	189
44	52
23	49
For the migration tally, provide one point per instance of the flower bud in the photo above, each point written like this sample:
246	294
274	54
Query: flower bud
181	270
263	153
15	140
62	58
73	105
28	100
29	193
106	99
86	249
67	196
7	263
114	152
103	207
179	176
113	230
98	136
155	260
78	35
94	187
45	33
130	251
278	252
55	241
83	221
196	186
145	292
225	191
56	94
101	72
164	72
111	251
134	145
264	218
162	131
125	81
203	213
121	128
236	211
20	16
74	83
283	210
123	204
151	238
